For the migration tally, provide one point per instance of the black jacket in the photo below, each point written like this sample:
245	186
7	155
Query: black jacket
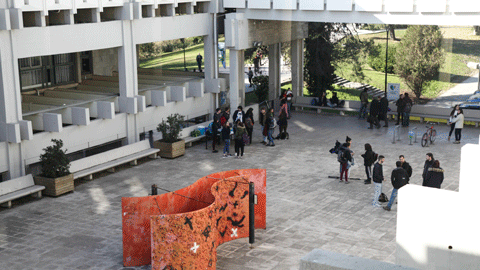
364	97
347	153
377	173
400	105
323	101
226	133
262	118
334	100
427	165
374	107
399	177
368	158
434	177
235	114
407	168
383	105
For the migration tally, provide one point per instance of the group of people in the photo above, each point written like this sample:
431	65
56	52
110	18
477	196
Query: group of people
456	123
432	175
332	102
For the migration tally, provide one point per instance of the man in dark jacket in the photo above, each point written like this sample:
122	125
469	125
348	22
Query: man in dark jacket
428	163
262	118
399	179
374	111
434	176
269	127
238	115
400	107
377	180
215	127
406	166
364	101
383	110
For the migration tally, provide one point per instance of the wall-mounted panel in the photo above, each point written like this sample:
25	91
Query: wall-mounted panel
464	6
427	6
259	4
234	3
312	5
339	5
285	4
368	5
399	6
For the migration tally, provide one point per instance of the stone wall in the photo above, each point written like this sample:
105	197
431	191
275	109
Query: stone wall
105	62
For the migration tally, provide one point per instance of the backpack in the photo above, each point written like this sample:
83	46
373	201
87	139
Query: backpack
273	123
248	122
375	156
341	156
245	138
335	148
383	198
408	107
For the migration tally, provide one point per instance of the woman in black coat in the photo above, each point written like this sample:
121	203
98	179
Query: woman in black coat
434	176
368	160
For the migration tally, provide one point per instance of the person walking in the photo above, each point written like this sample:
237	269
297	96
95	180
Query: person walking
406	166
270	127
435	176
377	180
400	103
250	76
249	123
282	120
383	110
399	179
226	139
346	161
374	111
199	62
406	110
239	145
368	161
453	114
289	94
428	163
262	118
458	122
364	103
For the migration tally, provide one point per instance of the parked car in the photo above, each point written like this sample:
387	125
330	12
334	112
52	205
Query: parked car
473	102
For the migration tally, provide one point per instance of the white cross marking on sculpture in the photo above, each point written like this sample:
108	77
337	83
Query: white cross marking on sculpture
234	232
195	247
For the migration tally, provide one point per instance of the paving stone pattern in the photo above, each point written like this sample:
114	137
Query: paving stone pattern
305	208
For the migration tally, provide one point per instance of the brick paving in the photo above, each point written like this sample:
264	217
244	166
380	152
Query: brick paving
305	208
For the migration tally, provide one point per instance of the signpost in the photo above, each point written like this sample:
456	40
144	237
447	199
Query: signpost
393	91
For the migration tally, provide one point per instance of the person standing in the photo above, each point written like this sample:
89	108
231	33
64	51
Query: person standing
282	119
374	111
368	160
238	115
458	121
377	180
199	62
399	179
270	127
215	127
406	166
383	110
434	177
289	94
406	110
345	161
262	118
453	114
249	123
428	163
400	108
239	145
364	103
256	64
250	76
226	139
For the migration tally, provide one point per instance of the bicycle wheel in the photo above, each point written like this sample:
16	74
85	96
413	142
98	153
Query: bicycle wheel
424	139
433	134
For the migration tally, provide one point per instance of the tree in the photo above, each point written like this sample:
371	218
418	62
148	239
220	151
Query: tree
261	87
419	56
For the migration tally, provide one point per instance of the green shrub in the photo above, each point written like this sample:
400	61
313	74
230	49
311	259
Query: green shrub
376	59
54	161
261	87
171	128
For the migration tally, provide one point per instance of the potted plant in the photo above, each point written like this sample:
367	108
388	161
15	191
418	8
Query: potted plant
171	146
55	176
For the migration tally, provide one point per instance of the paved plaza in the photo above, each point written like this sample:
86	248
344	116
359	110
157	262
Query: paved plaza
305	208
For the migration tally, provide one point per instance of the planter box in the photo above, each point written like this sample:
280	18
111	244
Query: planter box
55	186
170	150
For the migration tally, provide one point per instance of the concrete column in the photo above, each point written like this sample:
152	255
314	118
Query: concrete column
274	69
127	77
10	103
237	79
297	67
209	51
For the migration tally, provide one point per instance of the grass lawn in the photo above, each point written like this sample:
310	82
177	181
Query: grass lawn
460	46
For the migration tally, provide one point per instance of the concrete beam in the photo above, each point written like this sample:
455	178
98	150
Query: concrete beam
196	89
105	110
52	122
26	130
128	105
159	98
5	19
11	132
141	103
178	93
80	116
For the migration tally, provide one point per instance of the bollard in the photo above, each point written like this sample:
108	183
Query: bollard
412	130
154	190
394	132
410	136
251	211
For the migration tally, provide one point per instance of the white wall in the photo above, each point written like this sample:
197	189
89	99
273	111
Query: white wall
3	154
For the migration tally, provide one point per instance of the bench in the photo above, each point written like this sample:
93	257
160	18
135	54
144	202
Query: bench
304	102
17	188
190	140
108	160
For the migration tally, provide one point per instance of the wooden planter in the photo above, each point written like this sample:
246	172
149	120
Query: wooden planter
170	150
55	186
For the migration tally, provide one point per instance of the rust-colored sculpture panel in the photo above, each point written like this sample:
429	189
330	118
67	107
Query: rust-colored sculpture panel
182	229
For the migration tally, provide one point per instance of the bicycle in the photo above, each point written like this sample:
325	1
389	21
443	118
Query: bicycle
429	135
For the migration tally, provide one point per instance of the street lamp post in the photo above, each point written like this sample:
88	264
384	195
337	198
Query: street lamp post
386	63
184	58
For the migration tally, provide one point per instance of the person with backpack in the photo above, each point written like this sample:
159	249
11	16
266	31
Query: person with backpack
406	110
345	158
364	103
406	166
399	179
249	122
270	125
239	142
225	116
378	178
369	159
226	139
282	120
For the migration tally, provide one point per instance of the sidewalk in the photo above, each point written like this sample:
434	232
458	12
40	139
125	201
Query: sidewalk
305	208
458	94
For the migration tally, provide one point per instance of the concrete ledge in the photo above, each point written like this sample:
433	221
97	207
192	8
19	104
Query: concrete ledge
326	260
